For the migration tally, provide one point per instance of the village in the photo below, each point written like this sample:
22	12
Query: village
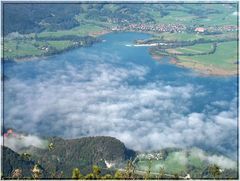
152	27
151	156
173	28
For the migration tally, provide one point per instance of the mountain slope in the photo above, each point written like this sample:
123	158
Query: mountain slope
110	154
81	153
12	161
30	18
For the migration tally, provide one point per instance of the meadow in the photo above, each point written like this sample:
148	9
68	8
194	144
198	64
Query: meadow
225	56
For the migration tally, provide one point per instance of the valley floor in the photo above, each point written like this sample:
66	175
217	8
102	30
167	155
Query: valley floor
223	62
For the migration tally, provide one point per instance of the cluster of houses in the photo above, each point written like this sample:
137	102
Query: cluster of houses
152	27
224	28
45	48
151	156
200	30
175	27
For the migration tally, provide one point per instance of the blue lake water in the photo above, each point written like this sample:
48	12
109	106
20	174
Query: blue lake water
118	90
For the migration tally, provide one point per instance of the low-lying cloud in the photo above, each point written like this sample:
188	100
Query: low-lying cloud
185	158
18	142
221	161
103	99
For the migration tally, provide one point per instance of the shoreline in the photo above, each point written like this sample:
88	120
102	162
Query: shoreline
203	69
28	59
206	70
100	33
32	58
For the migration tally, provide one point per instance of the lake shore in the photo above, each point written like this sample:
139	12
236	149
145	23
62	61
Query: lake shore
28	59
34	57
203	69
206	69
100	33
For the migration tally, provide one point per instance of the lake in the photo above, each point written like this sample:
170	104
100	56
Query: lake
118	90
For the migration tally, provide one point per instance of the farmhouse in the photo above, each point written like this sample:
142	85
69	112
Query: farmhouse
199	29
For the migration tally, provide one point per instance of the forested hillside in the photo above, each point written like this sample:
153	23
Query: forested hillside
13	161
34	18
81	153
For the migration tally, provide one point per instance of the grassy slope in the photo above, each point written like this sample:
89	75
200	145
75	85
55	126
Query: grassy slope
223	18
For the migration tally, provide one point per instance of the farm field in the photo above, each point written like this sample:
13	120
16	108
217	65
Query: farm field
224	58
15	48
84	30
30	48
199	48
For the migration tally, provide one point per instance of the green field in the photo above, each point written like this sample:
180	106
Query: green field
20	48
183	36
174	16
60	45
182	15
199	48
225	57
82	30
13	49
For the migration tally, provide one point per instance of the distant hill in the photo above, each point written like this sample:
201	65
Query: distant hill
81	153
36	17
12	161
33	18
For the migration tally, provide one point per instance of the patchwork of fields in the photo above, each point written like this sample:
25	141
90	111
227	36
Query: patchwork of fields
98	19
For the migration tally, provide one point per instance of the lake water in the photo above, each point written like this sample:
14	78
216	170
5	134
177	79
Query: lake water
118	90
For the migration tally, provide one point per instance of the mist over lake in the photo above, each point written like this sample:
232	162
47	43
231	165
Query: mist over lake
117	90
